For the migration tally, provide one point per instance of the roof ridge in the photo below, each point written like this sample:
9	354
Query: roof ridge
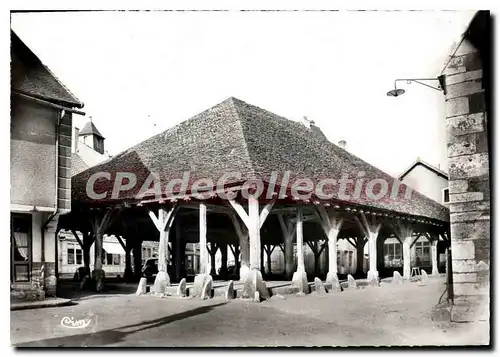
234	105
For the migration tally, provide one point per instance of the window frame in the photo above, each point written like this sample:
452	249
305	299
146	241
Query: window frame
443	195
29	247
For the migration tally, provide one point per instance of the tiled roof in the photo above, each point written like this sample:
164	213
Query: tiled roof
77	165
234	136
30	76
90	128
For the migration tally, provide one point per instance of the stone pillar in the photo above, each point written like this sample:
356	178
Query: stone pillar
469	182
299	279
434	257
332	254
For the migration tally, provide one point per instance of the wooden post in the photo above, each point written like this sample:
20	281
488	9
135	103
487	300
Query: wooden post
180	252
214	247
254	232
331	223
163	223
300	241
137	248
370	230
360	255
404	232
203	240
100	225
288	232
127	275
223	267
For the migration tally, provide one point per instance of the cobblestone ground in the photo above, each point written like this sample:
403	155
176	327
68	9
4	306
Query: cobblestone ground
390	315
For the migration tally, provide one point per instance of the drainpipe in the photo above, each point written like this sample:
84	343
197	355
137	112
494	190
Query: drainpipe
56	205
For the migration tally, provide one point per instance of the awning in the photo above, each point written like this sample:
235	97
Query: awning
113	248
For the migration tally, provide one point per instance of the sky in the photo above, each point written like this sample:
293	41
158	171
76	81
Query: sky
140	73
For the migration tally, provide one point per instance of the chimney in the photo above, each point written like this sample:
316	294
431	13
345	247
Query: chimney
307	122
75	140
343	144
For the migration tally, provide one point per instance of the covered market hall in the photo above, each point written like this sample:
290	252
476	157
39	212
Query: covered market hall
242	180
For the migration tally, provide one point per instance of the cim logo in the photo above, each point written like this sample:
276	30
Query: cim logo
75	322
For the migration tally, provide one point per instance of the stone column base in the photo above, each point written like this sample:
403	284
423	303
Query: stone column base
199	283
254	283
333	280
162	281
98	277
299	280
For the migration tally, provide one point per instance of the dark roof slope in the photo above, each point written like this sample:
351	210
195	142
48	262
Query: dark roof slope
90	129
238	137
30	76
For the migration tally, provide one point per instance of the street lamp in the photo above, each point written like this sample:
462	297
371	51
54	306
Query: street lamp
396	92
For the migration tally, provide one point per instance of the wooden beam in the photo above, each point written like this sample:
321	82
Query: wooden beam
360	225
265	212
121	243
325	243
240	211
313	248
77	238
353	243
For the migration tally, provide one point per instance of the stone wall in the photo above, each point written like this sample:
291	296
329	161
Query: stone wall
468	155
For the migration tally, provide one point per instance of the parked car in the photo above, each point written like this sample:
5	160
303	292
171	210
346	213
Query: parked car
231	270
150	268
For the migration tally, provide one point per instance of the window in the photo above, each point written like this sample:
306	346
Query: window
446	195
338	258
116	259
79	256
422	252
71	256
350	258
20	242
393	255
109	259
75	254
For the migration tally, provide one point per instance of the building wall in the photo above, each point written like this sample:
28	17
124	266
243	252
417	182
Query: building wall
33	186
426	182
89	155
466	128
32	157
